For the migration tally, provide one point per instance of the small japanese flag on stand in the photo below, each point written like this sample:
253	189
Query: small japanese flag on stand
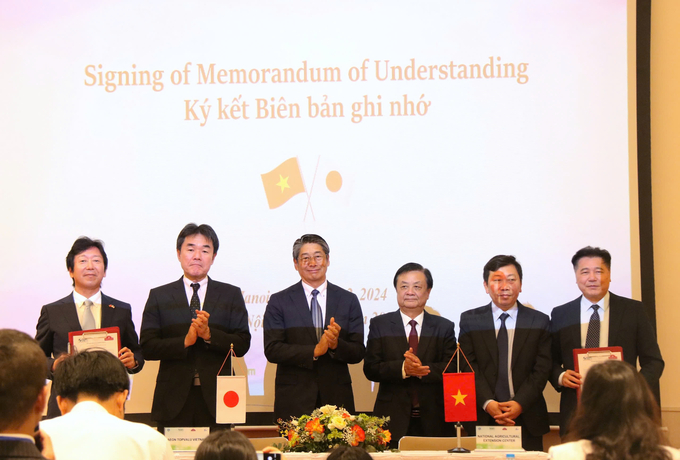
231	399
231	395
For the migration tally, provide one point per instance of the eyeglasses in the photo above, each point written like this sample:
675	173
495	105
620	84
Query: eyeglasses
306	260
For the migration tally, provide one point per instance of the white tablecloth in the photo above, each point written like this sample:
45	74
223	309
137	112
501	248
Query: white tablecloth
409	455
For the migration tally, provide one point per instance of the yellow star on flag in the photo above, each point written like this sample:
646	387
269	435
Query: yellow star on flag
460	398
283	183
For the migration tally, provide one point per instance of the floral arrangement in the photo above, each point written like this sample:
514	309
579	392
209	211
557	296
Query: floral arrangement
329	426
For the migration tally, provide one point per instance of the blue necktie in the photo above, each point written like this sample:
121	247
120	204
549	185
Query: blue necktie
502	385
317	317
593	334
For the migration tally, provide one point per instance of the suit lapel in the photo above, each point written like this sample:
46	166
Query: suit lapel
212	296
488	331
397	330
107	312
615	318
574	317
179	297
70	314
522	326
299	305
426	336
331	304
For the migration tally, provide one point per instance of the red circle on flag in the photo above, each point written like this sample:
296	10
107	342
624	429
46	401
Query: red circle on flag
231	399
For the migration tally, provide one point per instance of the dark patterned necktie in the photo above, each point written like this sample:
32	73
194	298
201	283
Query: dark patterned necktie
593	335
317	317
502	384
195	303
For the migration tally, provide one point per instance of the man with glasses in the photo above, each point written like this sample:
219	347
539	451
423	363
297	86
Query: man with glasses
312	331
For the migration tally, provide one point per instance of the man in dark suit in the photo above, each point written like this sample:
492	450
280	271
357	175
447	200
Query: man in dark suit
312	331
190	325
23	396
406	353
598	318
86	308
508	346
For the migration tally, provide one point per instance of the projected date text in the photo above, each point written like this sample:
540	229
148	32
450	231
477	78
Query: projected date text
369	294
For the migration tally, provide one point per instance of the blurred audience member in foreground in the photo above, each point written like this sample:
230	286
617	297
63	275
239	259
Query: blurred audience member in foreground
617	418
349	453
228	445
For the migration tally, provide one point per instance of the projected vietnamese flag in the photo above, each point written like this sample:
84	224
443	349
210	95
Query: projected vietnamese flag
283	183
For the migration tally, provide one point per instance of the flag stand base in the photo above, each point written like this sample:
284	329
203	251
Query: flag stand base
459	449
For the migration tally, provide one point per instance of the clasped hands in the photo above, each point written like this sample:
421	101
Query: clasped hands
199	328
329	339
413	367
504	413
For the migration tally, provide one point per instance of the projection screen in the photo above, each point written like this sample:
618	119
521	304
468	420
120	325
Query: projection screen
440	132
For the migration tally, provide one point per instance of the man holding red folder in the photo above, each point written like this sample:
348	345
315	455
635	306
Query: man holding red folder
597	319
86	308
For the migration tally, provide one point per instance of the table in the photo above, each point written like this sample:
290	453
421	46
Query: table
405	455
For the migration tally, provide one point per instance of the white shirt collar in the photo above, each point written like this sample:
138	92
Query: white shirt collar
603	303
79	298
188	282
497	312
308	289
406	319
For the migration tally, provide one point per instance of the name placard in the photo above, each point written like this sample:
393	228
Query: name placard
499	437
186	438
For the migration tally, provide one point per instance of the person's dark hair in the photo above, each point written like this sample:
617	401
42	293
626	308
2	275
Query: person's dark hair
226	445
23	370
348	453
310	238
414	267
81	245
93	373
498	262
590	251
203	229
618	414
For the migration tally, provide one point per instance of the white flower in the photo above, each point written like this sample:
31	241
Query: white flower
337	423
328	409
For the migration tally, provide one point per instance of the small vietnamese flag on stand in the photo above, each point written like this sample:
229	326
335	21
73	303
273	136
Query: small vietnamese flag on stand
460	400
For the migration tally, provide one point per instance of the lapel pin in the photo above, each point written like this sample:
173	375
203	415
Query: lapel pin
111	306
